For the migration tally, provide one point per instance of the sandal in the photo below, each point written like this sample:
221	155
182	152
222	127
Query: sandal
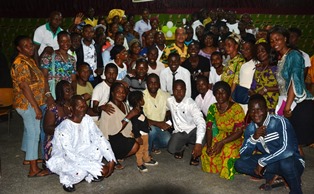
179	155
194	161
40	173
277	181
118	166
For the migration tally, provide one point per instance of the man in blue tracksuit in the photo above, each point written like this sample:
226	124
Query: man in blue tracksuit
274	137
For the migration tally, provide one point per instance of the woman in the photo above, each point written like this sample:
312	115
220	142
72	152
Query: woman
134	54
116	126
264	79
225	124
59	65
231	71
29	96
55	115
290	77
119	55
210	43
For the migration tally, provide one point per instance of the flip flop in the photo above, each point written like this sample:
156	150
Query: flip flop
38	174
194	161
179	155
268	187
27	162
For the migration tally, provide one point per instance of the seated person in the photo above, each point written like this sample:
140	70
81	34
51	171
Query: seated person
205	97
216	69
155	110
140	129
138	81
84	87
274	137
188	123
225	123
116	126
173	72
79	148
154	65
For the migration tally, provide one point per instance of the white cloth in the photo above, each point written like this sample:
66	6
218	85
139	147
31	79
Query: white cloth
166	79
159	52
45	37
122	72
204	103
101	93
246	73
106	55
90	56
160	66
141	26
307	60
233	27
194	26
213	76
186	116
125	43
78	149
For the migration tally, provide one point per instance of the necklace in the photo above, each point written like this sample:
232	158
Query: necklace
63	59
225	109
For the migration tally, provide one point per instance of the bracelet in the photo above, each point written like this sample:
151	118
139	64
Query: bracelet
126	120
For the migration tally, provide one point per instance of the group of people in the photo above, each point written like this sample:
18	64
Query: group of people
107	89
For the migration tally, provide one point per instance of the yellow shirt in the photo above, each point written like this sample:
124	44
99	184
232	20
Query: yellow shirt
155	108
173	48
85	89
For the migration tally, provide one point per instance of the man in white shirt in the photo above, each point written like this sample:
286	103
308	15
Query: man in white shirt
143	25
188	123
155	109
206	96
173	72
101	92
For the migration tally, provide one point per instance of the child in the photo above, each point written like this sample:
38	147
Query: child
84	87
206	96
216	69
140	130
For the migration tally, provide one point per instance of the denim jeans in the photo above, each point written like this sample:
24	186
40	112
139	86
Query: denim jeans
43	109
31	132
289	168
158	138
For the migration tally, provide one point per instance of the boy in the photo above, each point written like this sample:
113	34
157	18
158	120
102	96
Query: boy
205	97
84	87
216	69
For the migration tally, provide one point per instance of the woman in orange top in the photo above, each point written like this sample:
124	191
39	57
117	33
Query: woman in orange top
29	96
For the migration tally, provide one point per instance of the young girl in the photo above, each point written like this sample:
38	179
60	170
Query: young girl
140	129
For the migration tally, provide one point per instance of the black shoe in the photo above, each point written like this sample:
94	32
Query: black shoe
98	179
69	189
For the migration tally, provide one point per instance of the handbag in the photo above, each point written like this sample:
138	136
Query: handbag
240	95
52	82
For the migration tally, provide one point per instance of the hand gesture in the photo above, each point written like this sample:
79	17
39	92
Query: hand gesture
108	108
261	131
78	18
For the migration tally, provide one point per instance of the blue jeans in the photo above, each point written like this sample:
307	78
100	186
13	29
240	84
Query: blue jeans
43	109
31	132
289	168
157	138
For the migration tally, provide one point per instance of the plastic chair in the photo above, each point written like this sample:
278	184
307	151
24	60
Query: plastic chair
6	102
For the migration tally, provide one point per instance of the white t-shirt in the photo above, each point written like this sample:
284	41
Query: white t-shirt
213	76
204	103
122	72
246	74
160	66
101	93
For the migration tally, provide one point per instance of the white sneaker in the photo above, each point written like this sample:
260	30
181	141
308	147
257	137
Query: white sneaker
151	163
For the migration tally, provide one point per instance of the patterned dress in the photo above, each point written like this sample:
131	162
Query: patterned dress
230	121
266	78
231	71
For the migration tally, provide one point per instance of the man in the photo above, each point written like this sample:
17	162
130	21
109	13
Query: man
45	36
274	137
87	53
188	122
194	24
155	110
138	81
78	149
118	40
173	72
206	96
160	41
177	47
143	25
101	92
83	86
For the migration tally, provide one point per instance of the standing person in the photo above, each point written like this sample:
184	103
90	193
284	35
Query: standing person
79	148
231	71
173	72
197	65
290	77
188	122
143	25
154	65
28	97
76	43
160	42
177	47
134	54
225	124
88	53
274	137
216	69
140	130
45	36
210	43
155	109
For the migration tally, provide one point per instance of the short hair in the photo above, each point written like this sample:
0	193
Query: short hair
74	99
115	51
114	86
258	98
111	65
217	53
295	30
222	85
135	97
63	33
74	34
173	55
152	75
280	30
151	48
80	65
141	60
202	78
19	38
87	26
60	92
178	82
215	38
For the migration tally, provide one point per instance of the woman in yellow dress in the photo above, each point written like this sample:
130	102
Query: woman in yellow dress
225	124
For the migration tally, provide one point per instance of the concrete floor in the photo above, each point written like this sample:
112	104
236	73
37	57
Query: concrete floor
171	176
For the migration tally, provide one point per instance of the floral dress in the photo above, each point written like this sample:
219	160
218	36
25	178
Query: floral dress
228	122
231	71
